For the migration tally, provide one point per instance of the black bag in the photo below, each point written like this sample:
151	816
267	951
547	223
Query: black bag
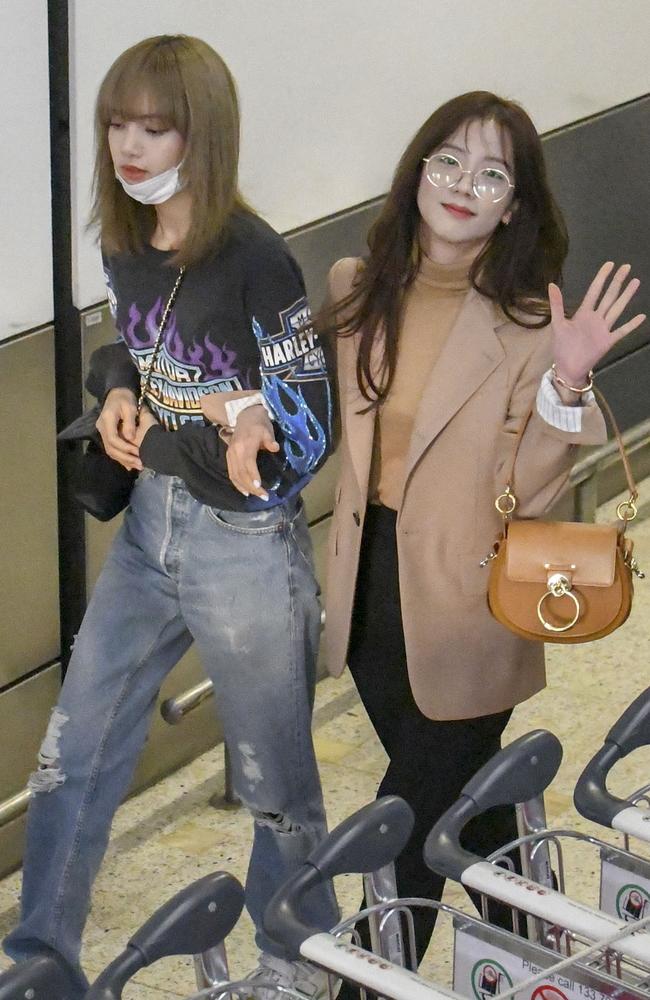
103	486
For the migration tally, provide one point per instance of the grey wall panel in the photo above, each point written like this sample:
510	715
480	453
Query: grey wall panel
599	170
626	384
24	713
317	246
29	612
26	249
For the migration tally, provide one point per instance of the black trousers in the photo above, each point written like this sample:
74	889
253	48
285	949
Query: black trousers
430	761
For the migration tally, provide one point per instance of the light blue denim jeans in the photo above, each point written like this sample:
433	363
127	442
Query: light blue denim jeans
242	586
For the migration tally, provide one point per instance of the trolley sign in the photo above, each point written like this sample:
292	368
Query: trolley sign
488	961
624	886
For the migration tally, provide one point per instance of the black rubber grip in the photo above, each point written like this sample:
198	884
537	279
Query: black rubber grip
369	839
366	841
633	728
197	918
630	732
517	773
43	977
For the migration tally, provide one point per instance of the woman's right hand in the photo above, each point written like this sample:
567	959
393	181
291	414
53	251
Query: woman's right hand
117	427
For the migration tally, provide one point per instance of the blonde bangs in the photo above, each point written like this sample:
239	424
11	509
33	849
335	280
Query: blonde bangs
145	80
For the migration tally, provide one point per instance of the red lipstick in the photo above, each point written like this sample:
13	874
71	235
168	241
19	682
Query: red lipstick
133	174
458	211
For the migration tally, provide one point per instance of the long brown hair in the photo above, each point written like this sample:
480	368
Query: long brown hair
192	90
513	269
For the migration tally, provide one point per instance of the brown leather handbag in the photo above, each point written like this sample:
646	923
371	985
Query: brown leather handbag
560	581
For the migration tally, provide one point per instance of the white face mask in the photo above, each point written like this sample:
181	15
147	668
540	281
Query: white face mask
154	190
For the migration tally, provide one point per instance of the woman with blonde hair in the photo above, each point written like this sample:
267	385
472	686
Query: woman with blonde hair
207	300
449	332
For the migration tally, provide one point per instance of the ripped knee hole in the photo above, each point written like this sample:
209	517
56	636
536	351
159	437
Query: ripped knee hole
49	774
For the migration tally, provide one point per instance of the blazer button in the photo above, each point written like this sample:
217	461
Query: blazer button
357	518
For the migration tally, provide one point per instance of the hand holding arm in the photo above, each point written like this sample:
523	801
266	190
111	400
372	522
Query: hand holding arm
117	427
579	343
253	433
213	406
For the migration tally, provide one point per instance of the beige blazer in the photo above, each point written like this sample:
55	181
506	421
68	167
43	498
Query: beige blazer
461	662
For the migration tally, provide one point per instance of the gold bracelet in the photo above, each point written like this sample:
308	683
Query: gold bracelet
572	388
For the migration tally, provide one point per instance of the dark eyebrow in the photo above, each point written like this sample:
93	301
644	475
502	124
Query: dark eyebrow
463	149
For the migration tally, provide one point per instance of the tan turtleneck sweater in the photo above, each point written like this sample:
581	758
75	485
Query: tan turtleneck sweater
432	305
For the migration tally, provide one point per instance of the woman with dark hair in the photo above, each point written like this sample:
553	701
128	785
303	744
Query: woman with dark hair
207	301
448	333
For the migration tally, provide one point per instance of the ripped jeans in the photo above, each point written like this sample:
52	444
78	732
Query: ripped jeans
242	586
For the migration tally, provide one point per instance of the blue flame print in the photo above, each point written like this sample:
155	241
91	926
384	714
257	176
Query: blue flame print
305	439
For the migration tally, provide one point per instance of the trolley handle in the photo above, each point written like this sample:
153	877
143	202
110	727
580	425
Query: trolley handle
366	841
629	733
43	977
517	773
197	918
633	728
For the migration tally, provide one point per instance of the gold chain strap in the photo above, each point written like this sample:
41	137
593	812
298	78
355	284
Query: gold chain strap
144	385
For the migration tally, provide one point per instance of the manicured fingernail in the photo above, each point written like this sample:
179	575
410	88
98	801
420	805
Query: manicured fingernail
246	494
256	484
264	497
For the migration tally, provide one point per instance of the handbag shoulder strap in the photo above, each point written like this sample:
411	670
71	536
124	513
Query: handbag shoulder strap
144	385
626	510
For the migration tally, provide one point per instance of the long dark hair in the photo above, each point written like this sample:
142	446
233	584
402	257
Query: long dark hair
513	269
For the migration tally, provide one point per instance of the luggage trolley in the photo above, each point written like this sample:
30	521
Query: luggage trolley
196	919
519	775
340	952
624	879
200	917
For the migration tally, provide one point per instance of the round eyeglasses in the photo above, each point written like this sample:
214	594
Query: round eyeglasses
489	184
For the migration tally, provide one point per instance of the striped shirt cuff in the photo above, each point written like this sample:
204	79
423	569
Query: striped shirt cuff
551	408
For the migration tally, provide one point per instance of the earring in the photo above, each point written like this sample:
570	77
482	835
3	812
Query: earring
506	219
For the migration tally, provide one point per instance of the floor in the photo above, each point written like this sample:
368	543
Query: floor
170	834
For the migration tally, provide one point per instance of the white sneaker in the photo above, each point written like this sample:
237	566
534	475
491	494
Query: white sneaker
302	977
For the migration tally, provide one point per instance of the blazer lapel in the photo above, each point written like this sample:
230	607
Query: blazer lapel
471	352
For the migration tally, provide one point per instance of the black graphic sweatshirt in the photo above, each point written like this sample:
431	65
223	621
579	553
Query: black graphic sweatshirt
237	324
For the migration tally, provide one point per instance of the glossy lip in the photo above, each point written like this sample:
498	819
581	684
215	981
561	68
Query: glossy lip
133	173
458	211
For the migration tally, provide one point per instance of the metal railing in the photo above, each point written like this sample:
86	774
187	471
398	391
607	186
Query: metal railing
585	473
584	482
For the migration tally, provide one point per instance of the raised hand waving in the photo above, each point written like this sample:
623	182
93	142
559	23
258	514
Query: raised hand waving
581	341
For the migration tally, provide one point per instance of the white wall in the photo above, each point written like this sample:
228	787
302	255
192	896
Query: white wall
25	230
331	90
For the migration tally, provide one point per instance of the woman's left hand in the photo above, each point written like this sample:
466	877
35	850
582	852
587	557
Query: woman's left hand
581	341
253	433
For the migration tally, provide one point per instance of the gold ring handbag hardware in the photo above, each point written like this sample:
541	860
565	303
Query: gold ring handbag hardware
563	582
558	585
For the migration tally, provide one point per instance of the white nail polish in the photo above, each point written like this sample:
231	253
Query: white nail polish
256	484
264	497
